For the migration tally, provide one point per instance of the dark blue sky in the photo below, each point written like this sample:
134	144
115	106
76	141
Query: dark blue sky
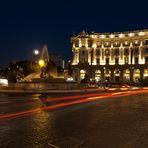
29	24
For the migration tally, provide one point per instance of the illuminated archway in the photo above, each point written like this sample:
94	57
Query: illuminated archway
117	75
97	75
127	75
145	73
107	75
82	73
136	75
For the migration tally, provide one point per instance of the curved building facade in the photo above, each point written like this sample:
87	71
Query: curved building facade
112	57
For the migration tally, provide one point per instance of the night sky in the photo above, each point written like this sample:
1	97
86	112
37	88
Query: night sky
29	24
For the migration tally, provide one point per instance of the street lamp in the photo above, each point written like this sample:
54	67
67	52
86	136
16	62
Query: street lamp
41	63
42	66
36	52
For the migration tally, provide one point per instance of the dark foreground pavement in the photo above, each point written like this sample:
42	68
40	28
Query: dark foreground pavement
120	122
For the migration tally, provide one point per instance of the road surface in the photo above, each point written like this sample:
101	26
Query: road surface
96	120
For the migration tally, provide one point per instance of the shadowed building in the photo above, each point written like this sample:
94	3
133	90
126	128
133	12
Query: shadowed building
112	57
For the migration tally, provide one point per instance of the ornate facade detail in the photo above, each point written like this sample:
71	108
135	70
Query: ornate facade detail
122	55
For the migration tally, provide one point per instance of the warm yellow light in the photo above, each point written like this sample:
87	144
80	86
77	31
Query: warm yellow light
131	34
121	35
94	36
74	63
111	36
41	63
126	75
145	75
141	33
107	75
102	36
136	75
94	46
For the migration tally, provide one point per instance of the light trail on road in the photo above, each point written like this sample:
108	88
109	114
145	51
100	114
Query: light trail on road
88	98
49	99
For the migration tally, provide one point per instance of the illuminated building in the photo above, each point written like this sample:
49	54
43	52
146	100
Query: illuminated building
113	57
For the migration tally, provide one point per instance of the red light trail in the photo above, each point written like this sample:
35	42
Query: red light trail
83	99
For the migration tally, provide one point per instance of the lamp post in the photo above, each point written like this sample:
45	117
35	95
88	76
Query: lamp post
34	53
41	63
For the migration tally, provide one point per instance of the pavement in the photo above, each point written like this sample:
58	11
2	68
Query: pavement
107	120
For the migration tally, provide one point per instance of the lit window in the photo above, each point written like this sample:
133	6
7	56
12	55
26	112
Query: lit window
136	75
141	33
131	34
116	44
97	75
127	75
121	35
126	60
107	53
82	74
111	36
102	36
146	73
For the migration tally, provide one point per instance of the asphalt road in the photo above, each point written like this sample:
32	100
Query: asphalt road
107	120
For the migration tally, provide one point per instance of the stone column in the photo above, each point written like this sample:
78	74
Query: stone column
94	56
101	56
89	56
120	56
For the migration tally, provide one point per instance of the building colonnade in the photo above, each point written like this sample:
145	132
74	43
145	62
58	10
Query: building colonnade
112	75
115	57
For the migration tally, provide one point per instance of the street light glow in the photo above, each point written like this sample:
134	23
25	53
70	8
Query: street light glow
41	63
36	52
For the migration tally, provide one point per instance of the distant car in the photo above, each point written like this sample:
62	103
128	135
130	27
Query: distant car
70	79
